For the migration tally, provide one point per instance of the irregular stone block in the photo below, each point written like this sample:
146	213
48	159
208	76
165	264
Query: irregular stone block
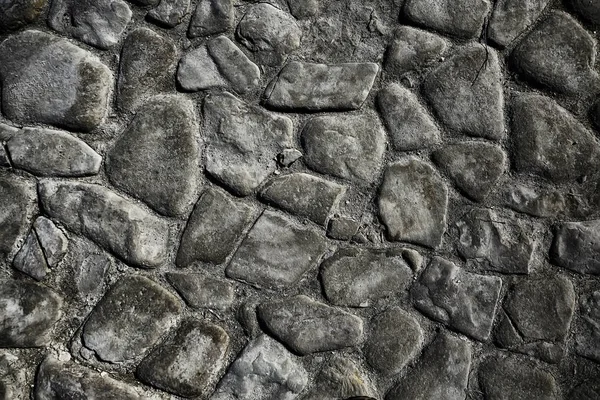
30	258
88	266
52	240
169	13
576	246
587	337
17	204
537	201
303	9
200	291
340	379
342	228
16	14
511	17
211	17
412	49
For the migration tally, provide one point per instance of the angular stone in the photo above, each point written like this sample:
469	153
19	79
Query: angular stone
110	220
466	93
269	32
88	266
30	259
67	380
46	152
537	201
442	372
211	17
303	9
342	228
32	91
587	337
407	121
304	86
16	14
28	312
349	147
276	252
54	243
4	159
498	243
243	142
7	131
559	54
99	23
474	167
156	158
340	379
549	142
17	204
511	17
461	18
413	202
186	363
200	291
130	319
576	246
412	49
396	339
169	13
288	156
463	300
264	370
146	67
587	10
356	277
307	326
304	195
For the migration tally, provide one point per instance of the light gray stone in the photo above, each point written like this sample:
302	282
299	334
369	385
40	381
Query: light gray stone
288	156
512	17
211	17
342	228
304	9
169	13
30	258
576	246
539	201
15	14
17	204
340	378
52	240
412	49
587	336
7	131
201	291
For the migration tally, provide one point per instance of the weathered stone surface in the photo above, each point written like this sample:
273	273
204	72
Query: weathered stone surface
463	300
461	18
349	147
558	54
186	363
342	228
588	390
413	202
587	337
441	373
146	67
276	252
534	200
28	312
498	243
110	220
466	92
169	13
201	291
99	23
304	9
474	167
511	17
288	156
67	380
264	370
32	91
304	195
211	17
4	159
307	326
396	339
30	258
13	377
17	204
54	243
46	152
156	158
269	32
129	319
549	142
587	10
18	13
319	87
7	131
88	267
576	246
243	142
339	379
412	49
356	277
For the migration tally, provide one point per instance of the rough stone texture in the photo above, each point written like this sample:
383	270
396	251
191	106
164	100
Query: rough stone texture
511	17
30	258
536	201
412	49
53	241
304	9
88	266
589	390
587	10
17	204
339	379
342	228
211	17
18	13
200	291
169	13
587	339
576	246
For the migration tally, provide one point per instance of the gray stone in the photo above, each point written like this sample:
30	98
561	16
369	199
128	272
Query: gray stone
144	3
559	54
587	337
576	246
46	152
588	10
463	300
588	390
17	204
396	339
307	326
348	147
408	122
246	316
413	202
53	241
28	313
442	372
188	362
264	370
288	156
475	168
18	13
201	291
304	195
110	220
269	32
169	13
466	93
243	142
497	243
130	318
304	86
211	17
198	71
549	142
356	277
342	228
512	17
340	378
534	200
99	23
88	266
156	158
4	159
30	258
14	383
67	380
276	253
32	91
412	49
461	18
304	9
7	131
146	67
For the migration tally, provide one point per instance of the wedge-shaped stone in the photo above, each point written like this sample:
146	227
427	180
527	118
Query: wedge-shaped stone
52	240
17	204
211	17
201	291
110	220
412	49
30	258
576	246
512	17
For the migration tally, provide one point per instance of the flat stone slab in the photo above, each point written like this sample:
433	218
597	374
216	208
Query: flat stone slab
587	336
211	17
576	246
14	15
512	17
412	49
307	326
318	87
201	291
340	378
110	220
17	204
169	13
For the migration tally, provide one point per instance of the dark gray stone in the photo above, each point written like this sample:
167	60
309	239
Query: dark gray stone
53	241
342	228
340	378
169	13
211	17
304	9
88	267
539	201
30	258
587	10
588	390
412	49
144	3
512	17
17	204
576	246
587	336
201	291
15	14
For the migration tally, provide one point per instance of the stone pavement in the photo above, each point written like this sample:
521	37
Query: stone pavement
299	199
